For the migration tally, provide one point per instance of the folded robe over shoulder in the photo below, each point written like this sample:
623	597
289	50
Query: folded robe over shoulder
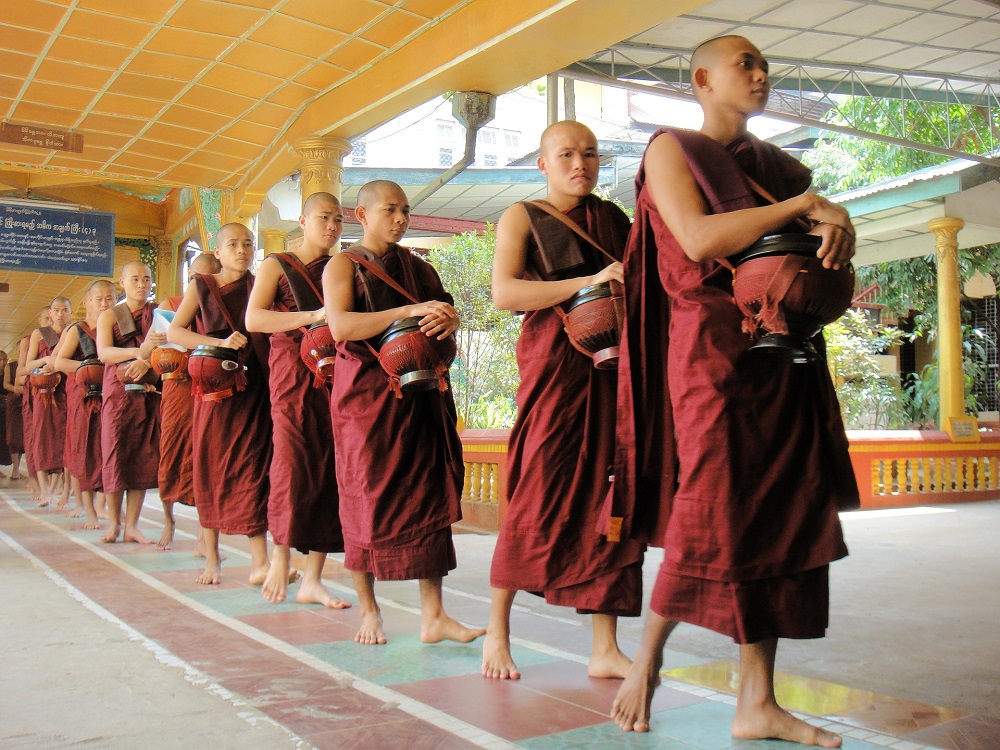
49	415
399	460
736	463
83	425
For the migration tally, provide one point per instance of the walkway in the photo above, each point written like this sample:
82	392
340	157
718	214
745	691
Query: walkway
115	646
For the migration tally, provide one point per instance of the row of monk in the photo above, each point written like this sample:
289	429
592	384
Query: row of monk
735	463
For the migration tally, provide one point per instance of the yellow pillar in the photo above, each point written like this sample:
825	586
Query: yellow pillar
274	240
322	171
166	267
951	379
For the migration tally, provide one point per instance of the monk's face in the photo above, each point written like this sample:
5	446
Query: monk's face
569	160
59	312
387	217
323	224
735	76
136	282
3	360
235	249
44	318
99	299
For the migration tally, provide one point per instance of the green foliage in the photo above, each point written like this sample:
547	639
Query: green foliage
484	375
842	162
868	398
924	393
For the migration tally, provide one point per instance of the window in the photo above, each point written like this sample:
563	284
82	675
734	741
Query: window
488	136
445	130
512	138
359	152
444	157
490	160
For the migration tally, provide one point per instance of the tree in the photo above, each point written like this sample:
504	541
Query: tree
484	375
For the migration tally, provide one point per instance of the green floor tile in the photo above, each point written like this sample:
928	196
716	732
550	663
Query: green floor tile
243	601
406	659
607	737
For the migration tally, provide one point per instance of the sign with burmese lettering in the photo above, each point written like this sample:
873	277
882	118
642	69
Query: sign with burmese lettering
40	136
49	240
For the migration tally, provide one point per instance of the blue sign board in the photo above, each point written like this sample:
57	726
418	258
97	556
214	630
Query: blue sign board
50	240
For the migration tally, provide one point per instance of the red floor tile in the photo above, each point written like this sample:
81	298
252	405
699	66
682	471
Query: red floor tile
967	733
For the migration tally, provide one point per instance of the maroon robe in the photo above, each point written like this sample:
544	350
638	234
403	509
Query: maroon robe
5	397
130	420
15	417
303	509
231	438
174	476
83	425
561	448
399	460
49	415
741	459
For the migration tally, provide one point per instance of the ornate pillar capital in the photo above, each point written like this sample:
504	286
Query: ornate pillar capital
274	240
321	168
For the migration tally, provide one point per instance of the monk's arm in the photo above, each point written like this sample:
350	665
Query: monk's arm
261	318
510	291
107	352
67	346
12	387
347	325
31	359
704	236
179	331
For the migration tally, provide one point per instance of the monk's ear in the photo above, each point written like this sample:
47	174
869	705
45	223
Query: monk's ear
700	78
361	214
540	161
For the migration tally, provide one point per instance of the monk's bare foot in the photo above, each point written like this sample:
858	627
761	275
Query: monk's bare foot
497	661
136	536
313	592
112	536
445	628
199	551
61	505
14	477
370	633
274	585
770	721
167	537
609	666
41	502
74	513
103	514
91	525
631	708
211	575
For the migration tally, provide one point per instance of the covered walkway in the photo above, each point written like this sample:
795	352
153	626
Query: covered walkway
126	651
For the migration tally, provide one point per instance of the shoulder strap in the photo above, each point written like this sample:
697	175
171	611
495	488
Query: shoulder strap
213	289
123	316
381	274
297	274
552	211
759	189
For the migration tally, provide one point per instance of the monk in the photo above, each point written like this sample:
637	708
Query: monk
15	420
6	459
174	476
21	375
548	542
751	466
130	418
231	429
399	460
302	509
83	410
48	407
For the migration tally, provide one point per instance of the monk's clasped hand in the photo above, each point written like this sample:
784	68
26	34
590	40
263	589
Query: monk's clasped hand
236	340
437	318
613	272
838	244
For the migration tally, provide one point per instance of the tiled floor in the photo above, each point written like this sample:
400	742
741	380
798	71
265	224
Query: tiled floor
299	665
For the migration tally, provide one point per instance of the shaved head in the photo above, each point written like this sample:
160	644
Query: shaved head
706	54
205	263
134	266
226	229
371	192
552	134
61	301
98	286
319	199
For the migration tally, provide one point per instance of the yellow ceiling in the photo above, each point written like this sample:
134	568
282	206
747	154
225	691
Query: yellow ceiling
213	93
